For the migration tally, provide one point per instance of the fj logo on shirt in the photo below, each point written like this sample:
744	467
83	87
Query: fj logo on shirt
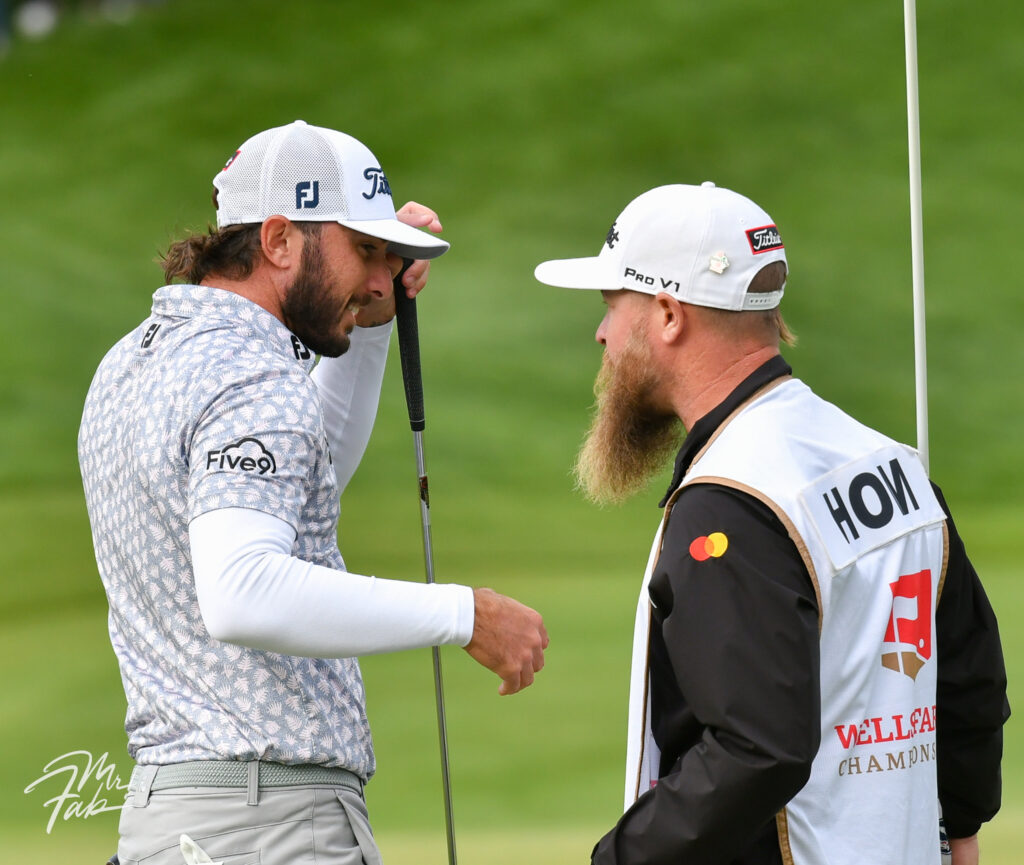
908	635
711	546
301	352
245	455
150	335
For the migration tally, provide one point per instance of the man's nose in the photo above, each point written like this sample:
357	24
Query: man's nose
382	276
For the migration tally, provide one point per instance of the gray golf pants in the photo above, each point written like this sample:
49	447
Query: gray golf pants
300	824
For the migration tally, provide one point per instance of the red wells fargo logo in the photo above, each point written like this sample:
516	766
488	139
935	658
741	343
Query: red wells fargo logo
908	636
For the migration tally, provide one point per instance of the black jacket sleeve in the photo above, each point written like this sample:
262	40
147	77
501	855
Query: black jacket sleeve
971	704
735	685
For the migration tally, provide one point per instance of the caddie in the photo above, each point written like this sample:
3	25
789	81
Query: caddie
213	455
816	667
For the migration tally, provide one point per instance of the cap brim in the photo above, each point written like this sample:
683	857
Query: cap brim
593	273
403	240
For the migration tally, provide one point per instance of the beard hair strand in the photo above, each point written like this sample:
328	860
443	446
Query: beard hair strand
629	441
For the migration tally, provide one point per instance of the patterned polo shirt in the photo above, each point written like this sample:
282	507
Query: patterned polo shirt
209	404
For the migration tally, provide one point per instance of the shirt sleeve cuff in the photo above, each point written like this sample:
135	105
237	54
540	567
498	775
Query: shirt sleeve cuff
465	615
372	335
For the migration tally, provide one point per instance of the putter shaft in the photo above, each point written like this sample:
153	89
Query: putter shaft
442	723
409	349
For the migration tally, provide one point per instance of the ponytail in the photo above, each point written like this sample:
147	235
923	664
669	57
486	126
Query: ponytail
232	251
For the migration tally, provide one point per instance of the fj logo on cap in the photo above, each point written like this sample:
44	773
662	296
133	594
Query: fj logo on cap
378	182
764	239
307	194
612	237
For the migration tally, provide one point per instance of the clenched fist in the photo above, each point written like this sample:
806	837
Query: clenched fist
508	638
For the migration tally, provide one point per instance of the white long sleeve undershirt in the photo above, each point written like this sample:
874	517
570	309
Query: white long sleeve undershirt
254	593
349	389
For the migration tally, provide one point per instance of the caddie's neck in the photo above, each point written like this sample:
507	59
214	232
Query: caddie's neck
705	354
713	378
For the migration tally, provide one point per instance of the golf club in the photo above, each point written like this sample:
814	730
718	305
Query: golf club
409	350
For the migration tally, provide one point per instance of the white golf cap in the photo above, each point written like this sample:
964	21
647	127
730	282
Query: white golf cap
700	244
312	174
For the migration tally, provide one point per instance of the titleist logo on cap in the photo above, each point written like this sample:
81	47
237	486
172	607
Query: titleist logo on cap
764	239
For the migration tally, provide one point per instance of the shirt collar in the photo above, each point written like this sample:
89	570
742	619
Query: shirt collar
192	301
704	428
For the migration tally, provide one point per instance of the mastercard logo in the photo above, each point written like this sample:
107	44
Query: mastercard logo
711	546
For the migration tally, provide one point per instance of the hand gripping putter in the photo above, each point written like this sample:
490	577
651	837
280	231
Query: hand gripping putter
409	350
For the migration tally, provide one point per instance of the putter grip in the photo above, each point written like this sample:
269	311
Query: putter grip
409	350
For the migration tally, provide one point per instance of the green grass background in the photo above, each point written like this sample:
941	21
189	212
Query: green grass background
528	126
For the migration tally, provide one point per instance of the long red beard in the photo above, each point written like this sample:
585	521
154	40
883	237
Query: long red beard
629	440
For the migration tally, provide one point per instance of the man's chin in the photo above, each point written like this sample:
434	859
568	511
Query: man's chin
334	345
337	347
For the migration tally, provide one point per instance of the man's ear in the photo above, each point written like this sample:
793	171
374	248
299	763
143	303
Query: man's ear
281	242
670	318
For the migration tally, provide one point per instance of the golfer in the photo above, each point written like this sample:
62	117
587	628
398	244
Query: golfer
816	667
213	454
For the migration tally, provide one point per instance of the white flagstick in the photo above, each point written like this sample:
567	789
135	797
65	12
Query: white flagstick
916	230
917	264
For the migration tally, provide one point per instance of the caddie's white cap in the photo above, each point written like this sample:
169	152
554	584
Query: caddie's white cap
312	174
700	244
